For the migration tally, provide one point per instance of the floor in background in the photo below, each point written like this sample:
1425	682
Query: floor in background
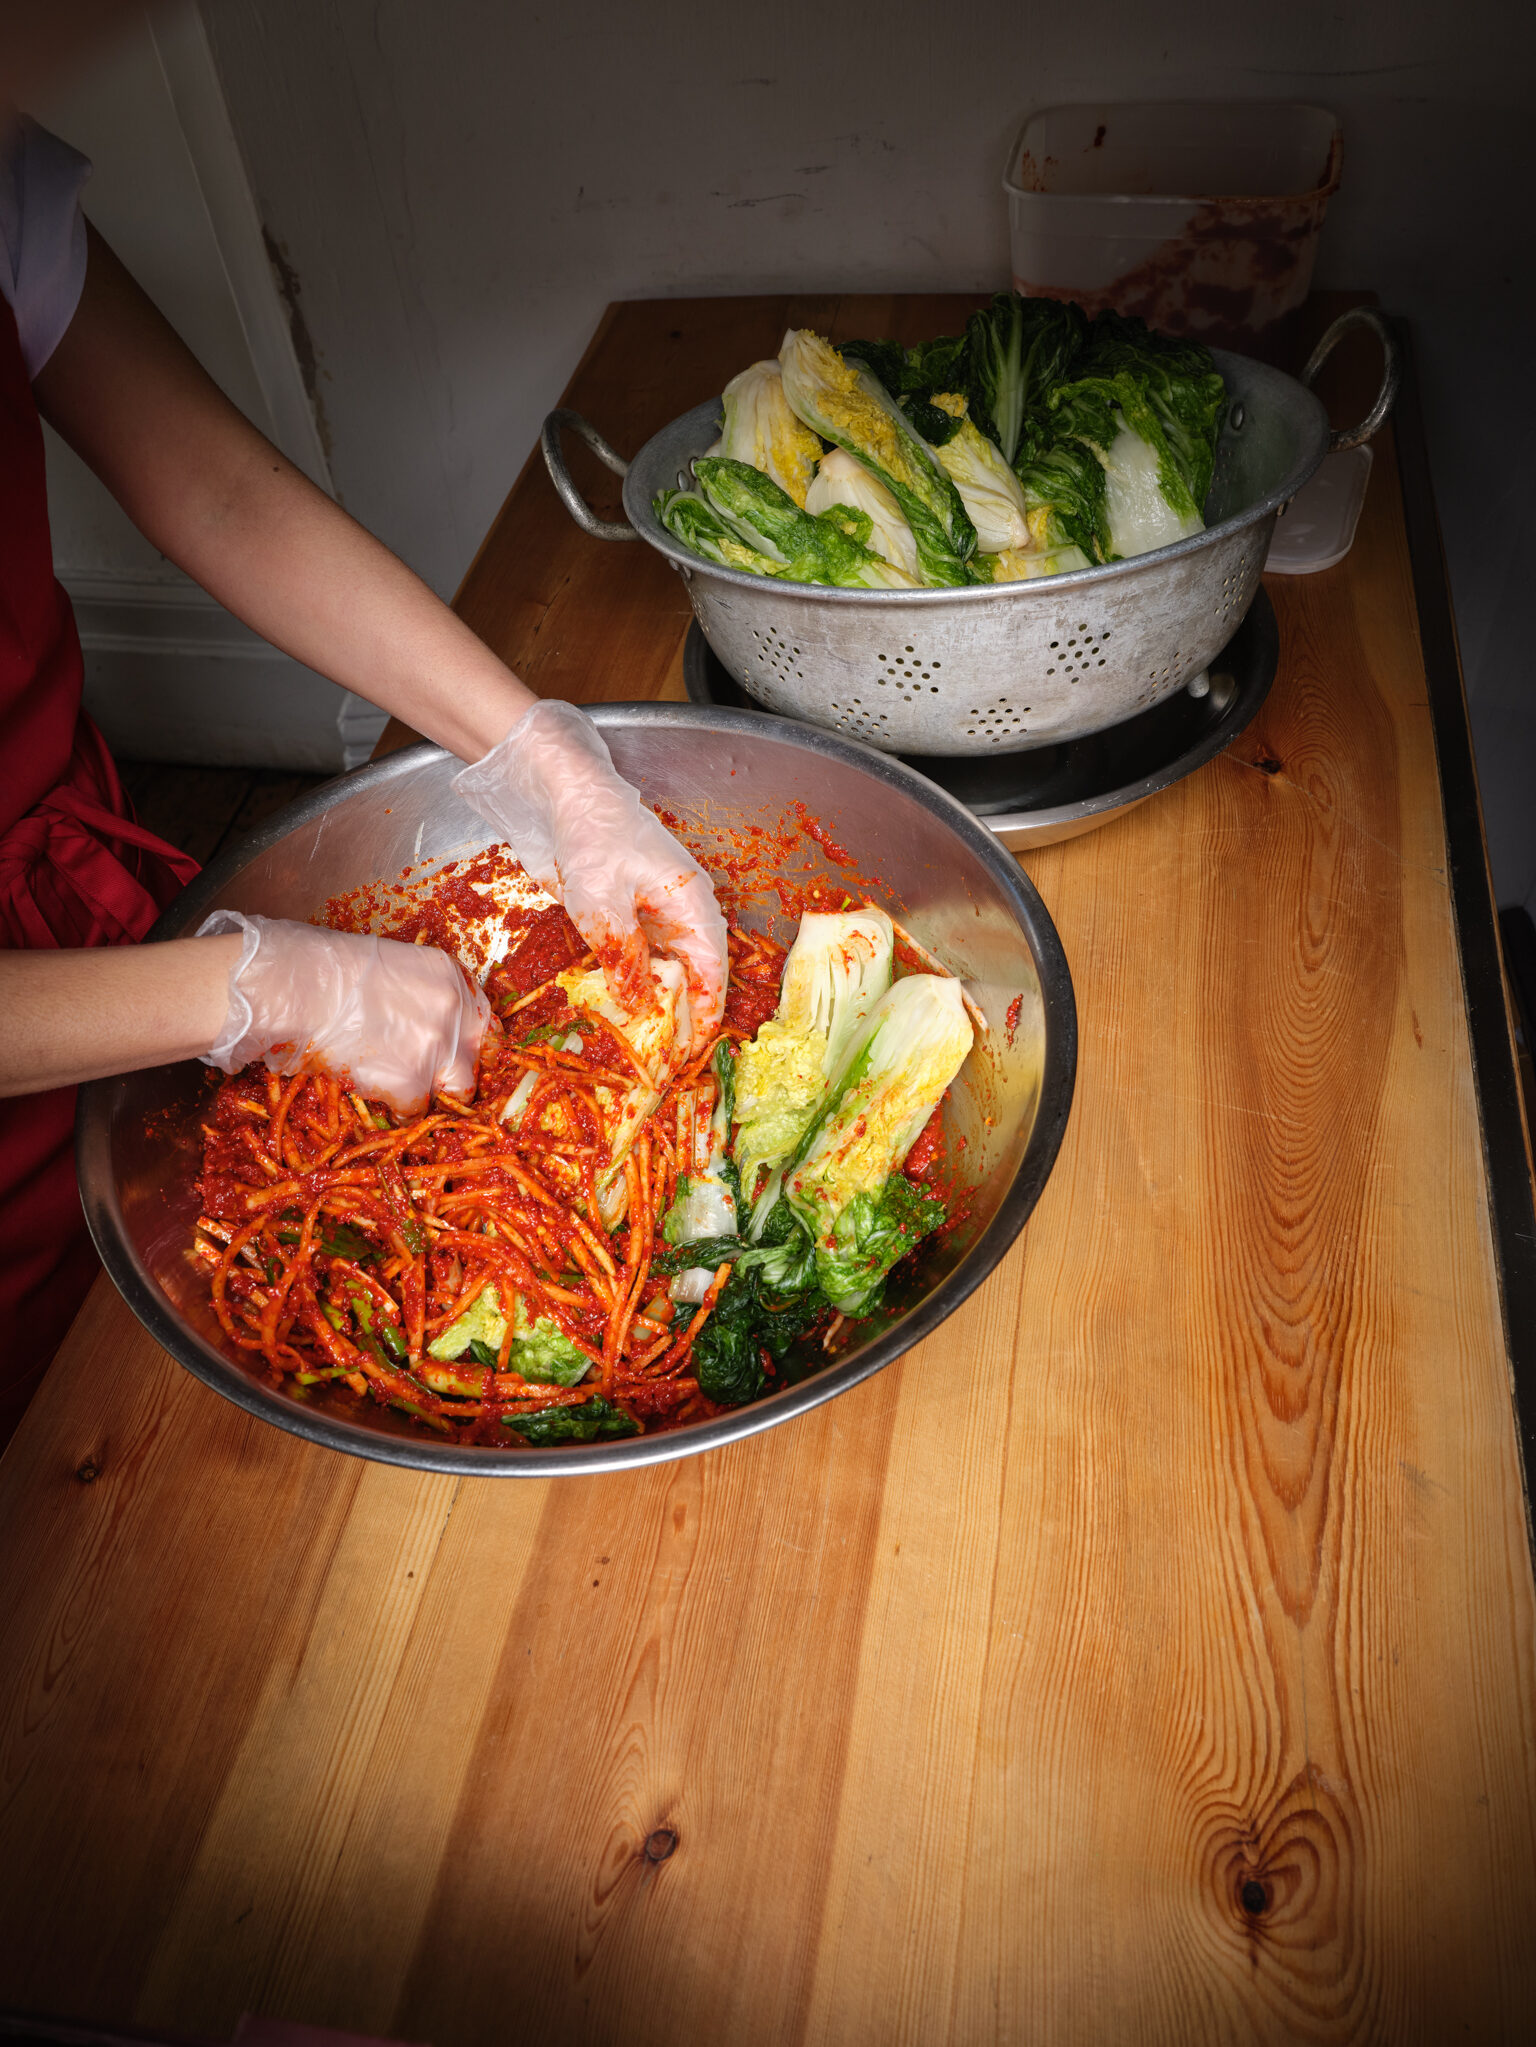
202	810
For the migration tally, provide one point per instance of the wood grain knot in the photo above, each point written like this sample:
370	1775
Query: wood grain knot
1282	1886
659	1845
88	1472
1267	764
1286	1877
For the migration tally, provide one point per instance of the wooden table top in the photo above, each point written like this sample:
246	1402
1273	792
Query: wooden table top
1149	1656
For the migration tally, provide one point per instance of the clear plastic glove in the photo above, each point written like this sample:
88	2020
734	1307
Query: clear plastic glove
402	1022
552	792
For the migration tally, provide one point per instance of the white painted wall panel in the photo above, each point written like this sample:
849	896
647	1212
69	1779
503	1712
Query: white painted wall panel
169	675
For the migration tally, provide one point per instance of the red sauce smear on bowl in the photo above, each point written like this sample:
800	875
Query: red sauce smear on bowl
838	855
927	1153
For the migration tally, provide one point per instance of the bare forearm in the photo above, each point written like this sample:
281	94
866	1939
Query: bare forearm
73	1016
217	498
298	570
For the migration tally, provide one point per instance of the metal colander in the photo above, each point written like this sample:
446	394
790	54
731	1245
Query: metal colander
1005	667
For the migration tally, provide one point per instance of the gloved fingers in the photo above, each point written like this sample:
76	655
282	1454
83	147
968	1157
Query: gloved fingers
544	779
550	788
680	915
455	1074
672	910
651	878
606	920
433	1021
398	1021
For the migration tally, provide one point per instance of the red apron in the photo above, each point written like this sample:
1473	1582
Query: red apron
75	869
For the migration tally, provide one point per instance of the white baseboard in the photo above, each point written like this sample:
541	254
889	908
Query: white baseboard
170	676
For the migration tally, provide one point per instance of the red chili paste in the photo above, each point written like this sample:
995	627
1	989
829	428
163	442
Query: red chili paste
927	1153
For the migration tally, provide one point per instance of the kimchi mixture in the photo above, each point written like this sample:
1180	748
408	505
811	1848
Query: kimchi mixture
621	1232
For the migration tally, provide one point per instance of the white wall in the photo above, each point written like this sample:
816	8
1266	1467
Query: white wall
169	675
459	188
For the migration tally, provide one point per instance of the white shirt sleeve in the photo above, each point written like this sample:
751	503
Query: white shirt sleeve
42	236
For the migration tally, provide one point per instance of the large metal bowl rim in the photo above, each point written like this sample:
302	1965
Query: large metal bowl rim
1254	381
103	1214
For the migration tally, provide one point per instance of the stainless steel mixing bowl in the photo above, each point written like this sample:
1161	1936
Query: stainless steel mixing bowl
942	874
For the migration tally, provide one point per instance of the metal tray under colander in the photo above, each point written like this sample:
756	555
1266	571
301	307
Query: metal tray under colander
1059	792
1004	667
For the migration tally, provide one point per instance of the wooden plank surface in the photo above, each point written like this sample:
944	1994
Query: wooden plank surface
1147	1657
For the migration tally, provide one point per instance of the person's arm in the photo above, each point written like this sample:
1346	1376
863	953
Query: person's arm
218	499
81	1015
221	502
402	1022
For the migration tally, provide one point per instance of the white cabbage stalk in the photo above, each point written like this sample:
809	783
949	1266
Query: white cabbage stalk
837	969
914	1043
659	1040
708	1209
761	430
1018	565
517	1101
845	402
842	481
1140	517
988	488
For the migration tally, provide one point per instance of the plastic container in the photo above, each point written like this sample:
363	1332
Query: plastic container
1202	217
1317	528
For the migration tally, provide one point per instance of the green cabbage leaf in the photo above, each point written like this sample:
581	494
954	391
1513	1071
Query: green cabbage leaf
689	519
809	549
540	1348
846	403
595	1420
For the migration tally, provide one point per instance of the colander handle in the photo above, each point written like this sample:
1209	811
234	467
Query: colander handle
560	476
1358	316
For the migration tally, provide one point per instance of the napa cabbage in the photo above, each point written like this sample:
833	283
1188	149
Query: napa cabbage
809	549
842	486
759	428
838	1185
834	974
540	1348
989	490
846	403
707	1202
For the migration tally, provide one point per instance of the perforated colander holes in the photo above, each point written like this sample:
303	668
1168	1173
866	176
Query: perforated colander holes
765	691
854	718
910	676
1080	652
1172	672
1235	589
775	652
998	720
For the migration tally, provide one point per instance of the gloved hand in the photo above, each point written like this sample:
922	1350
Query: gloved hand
551	790
400	1021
